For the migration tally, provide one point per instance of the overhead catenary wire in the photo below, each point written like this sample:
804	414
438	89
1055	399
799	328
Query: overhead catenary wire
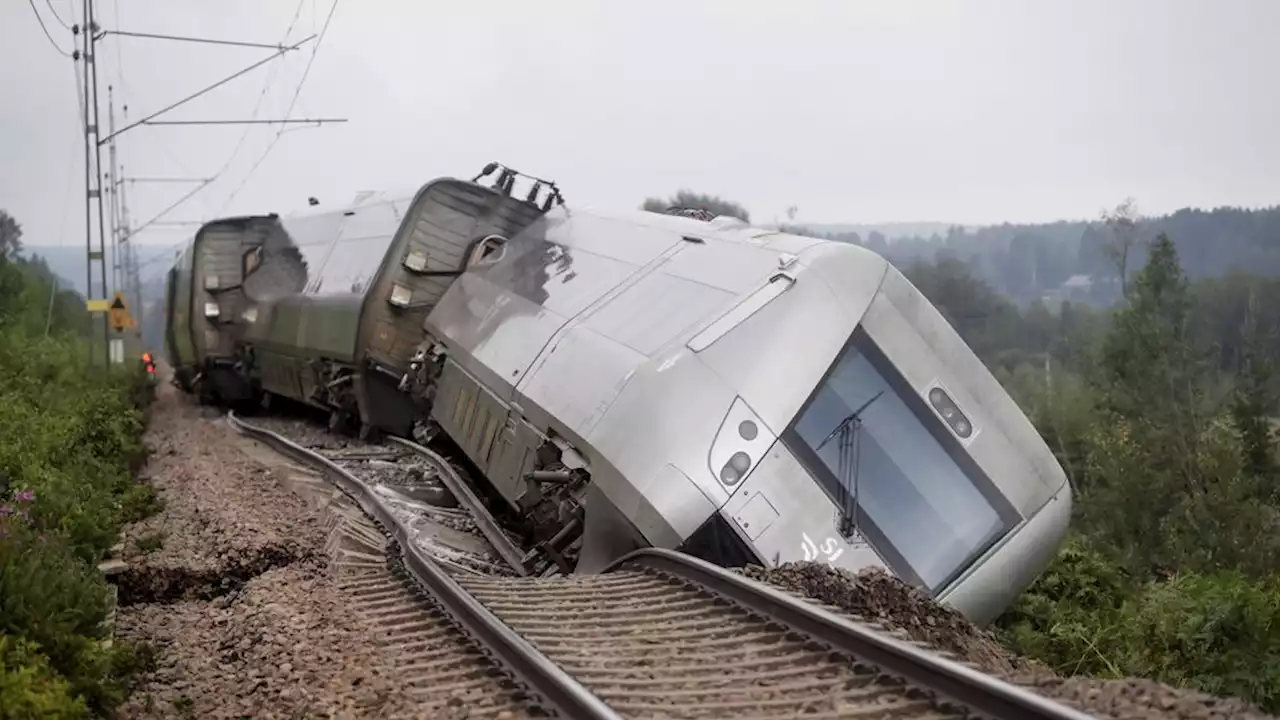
306	71
202	91
40	20
168	251
58	17
257	106
188	38
239	143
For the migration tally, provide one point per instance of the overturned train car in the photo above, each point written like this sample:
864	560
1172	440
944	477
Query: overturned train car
210	294
630	379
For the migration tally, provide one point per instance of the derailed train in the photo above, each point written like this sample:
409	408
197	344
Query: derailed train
638	379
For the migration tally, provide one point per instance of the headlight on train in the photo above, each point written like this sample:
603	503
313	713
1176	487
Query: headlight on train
250	316
416	261
739	443
950	413
211	310
210	282
400	296
733	470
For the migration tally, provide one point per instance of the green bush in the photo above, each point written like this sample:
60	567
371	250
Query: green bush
1171	572
29	688
1068	618
1219	633
69	434
70	439
54	599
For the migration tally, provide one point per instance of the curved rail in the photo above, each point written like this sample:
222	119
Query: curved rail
484	521
560	690
987	695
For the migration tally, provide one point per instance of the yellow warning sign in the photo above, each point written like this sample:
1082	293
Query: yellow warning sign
119	314
95	306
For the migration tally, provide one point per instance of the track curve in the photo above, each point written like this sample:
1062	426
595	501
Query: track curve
539	674
663	635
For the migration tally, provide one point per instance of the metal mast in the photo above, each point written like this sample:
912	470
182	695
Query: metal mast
103	312
125	278
97	299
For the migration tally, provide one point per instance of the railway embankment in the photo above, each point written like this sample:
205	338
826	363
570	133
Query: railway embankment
259	603
879	598
230	585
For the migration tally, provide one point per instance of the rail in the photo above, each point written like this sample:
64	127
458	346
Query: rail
517	620
560	691
484	521
987	695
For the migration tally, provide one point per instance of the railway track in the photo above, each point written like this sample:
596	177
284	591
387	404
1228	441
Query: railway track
658	635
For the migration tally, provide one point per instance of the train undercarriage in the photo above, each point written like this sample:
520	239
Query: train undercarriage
549	515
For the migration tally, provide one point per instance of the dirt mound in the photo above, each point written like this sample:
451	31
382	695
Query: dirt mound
875	595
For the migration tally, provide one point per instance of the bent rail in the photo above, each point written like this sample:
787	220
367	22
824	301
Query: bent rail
484	521
987	695
560	691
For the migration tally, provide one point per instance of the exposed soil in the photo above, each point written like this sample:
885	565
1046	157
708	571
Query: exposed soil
238	598
876	596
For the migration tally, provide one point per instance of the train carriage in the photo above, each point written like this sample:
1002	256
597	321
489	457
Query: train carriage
217	280
747	395
629	379
373	269
177	335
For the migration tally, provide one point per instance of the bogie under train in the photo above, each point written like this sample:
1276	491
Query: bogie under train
621	380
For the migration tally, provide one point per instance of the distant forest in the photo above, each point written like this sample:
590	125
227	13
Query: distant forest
1079	260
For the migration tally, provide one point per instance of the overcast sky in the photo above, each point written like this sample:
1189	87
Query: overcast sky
969	112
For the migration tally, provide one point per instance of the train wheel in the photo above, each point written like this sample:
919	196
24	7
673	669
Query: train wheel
368	433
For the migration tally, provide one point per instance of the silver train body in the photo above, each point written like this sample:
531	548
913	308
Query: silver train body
697	367
217	276
739	393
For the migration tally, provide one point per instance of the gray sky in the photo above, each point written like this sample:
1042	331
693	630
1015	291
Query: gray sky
969	111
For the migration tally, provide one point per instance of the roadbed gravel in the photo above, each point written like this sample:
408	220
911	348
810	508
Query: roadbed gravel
238	599
234	586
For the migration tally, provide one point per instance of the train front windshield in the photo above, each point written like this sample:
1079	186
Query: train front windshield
919	498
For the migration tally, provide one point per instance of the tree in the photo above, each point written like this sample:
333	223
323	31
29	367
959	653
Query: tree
10	235
1154	481
877	243
690	199
1123	224
1252	400
1149	356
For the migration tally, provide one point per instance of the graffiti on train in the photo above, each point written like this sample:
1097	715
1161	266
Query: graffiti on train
829	551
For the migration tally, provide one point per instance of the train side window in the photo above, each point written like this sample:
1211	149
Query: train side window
252	259
488	251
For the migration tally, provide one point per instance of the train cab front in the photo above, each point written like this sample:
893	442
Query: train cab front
866	433
225	370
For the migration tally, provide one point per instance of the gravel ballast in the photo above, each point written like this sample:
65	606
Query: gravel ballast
877	596
237	599
232	585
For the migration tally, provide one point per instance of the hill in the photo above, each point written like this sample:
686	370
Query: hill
1075	260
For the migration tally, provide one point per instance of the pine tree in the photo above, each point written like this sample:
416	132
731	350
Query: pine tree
1253	400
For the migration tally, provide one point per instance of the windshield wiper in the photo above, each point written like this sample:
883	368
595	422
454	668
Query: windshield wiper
849	463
